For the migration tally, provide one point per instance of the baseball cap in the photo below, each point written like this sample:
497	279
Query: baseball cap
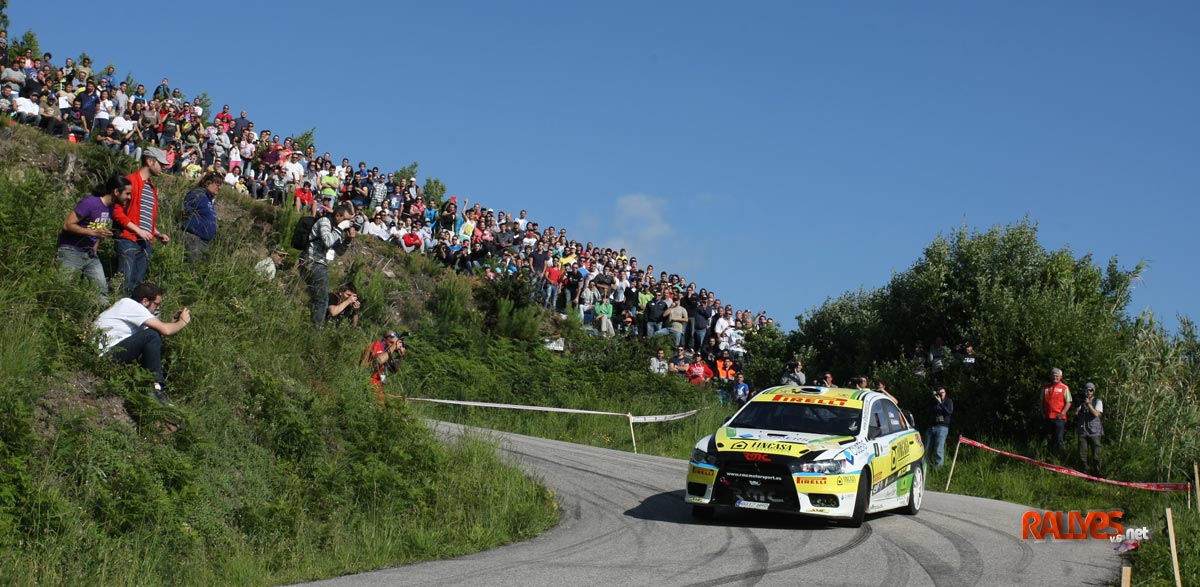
157	154
278	250
1091	386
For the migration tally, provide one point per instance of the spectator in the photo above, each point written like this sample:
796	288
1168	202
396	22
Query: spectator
793	375
1090	430
344	304
654	313
678	363
826	380
274	260
325	242
382	357
969	360
741	391
1056	402
939	355
412	241
604	316
676	319
698	373
943	409
552	275
138	220
88	222
132	332
919	359
200	217
658	363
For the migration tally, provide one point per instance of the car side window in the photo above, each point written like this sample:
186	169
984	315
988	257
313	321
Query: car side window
894	419
877	424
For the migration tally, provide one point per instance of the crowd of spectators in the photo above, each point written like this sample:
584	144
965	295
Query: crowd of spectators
610	290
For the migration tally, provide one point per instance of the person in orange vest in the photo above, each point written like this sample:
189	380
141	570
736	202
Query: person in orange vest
1056	402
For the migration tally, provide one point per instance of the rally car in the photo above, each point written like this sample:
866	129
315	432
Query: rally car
818	451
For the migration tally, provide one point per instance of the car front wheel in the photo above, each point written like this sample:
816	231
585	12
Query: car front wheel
862	500
917	492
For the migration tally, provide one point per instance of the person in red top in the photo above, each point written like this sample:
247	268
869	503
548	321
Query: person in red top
138	221
304	200
552	275
698	373
383	356
1056	402
411	240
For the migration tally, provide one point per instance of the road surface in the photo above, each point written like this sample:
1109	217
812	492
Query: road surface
624	523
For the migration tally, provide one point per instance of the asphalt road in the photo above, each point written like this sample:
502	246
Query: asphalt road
624	523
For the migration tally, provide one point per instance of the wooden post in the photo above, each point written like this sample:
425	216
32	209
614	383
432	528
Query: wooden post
1174	551
631	435
953	462
1195	484
1126	576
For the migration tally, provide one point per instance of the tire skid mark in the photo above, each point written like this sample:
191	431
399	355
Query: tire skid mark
897	571
859	537
1026	551
941	572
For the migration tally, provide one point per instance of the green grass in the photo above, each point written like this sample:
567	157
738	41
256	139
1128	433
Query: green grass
982	473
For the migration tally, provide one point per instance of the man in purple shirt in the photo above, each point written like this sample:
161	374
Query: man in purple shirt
88	222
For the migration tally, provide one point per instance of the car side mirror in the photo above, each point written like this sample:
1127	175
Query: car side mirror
912	422
874	431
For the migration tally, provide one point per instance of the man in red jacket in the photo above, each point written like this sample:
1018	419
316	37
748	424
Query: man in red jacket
1056	402
138	221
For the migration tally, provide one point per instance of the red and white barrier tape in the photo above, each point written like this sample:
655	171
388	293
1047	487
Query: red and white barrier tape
1074	473
631	417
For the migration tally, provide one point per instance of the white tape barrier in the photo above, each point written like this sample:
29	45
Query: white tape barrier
632	419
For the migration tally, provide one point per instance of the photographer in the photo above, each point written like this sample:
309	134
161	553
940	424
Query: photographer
382	357
943	408
344	305
329	237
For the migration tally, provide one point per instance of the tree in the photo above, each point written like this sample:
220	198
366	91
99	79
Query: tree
305	139
1025	309
407	172
28	40
434	190
3	14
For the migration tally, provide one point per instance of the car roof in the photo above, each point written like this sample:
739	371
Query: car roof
836	396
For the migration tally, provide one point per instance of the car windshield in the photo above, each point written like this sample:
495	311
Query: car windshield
805	418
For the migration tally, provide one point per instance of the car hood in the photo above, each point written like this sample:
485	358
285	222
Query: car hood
779	442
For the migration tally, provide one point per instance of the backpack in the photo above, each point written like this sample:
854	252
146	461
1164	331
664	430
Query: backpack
301	235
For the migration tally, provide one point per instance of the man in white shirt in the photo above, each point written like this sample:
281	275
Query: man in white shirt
293	171
132	332
267	267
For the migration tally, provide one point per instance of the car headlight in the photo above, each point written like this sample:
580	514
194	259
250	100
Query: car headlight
699	455
830	467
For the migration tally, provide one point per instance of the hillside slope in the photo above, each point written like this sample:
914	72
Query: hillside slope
283	467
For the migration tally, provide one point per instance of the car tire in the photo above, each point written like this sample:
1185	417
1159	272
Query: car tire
916	493
701	512
862	500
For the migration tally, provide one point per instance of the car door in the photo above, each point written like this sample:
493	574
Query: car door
902	439
879	437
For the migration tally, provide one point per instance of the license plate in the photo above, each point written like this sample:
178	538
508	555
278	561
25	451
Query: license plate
754	505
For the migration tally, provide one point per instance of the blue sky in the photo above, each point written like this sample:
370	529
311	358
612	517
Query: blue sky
779	152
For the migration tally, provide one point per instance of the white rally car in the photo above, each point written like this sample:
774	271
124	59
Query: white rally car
834	453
